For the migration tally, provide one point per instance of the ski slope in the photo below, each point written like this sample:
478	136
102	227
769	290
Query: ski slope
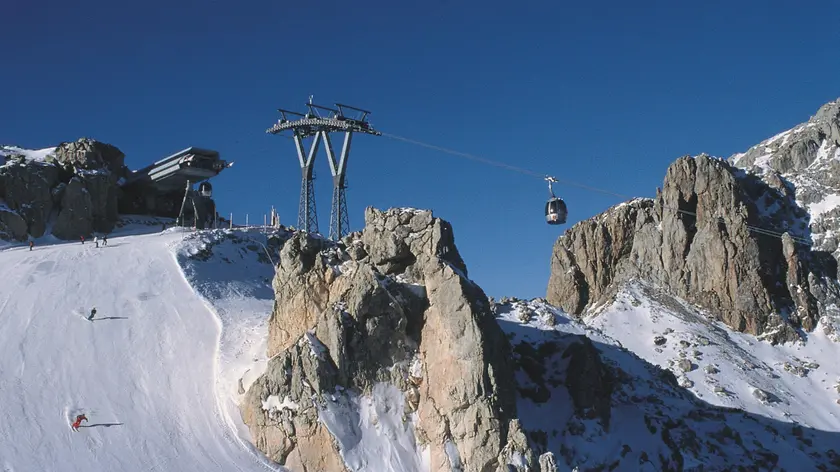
143	371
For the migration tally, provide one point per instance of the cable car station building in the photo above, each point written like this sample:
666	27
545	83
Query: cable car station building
165	188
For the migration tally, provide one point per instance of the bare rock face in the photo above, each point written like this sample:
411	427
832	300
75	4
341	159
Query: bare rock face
26	190
76	186
288	431
76	216
12	225
390	305
697	241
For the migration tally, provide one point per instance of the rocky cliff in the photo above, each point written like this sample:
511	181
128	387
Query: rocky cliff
73	188
388	308
383	333
738	241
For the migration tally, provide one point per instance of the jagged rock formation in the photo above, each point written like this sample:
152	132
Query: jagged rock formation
704	239
388	306
76	184
89	154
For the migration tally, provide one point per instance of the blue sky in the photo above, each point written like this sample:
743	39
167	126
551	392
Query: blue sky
604	93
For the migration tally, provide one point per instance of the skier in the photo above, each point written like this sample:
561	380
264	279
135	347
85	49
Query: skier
31	244
78	422
83	239
105	240
92	313
96	241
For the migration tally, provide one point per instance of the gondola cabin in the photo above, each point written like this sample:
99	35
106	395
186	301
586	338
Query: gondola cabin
555	211
205	189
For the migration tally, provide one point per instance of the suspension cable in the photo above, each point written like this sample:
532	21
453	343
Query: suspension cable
521	170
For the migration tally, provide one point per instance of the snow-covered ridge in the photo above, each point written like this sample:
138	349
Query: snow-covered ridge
39	155
807	159
787	392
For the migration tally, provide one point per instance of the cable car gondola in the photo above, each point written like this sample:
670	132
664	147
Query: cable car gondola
555	207
205	189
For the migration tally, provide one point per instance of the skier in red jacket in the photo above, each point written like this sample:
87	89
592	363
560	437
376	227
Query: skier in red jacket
78	422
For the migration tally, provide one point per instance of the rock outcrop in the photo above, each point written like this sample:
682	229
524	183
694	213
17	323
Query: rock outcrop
390	307
698	240
12	225
736	242
27	191
74	187
88	154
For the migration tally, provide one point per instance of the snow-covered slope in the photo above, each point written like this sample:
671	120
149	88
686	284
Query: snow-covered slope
29	154
785	395
231	271
143	371
793	382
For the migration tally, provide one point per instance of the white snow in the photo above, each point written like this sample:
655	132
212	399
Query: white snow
763	162
143	371
316	348
273	403
230	271
739	362
452	455
371	433
783	134
823	151
623	333
31	154
825	205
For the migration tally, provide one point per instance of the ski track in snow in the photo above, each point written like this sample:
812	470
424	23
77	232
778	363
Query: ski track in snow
226	270
143	373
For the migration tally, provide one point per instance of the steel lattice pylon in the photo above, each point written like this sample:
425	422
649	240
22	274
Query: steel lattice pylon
339	219
313	125
307	213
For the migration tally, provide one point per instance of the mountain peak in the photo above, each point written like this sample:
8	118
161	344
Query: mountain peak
811	146
828	113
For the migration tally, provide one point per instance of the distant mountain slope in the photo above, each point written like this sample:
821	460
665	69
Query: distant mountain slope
807	157
606	403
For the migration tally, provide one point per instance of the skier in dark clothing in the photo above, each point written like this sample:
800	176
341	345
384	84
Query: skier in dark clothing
83	239
78	422
31	244
105	240
92	313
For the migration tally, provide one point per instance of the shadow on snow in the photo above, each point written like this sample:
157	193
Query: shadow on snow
651	423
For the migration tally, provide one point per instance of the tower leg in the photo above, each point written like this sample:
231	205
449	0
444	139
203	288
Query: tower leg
180	221
339	218
307	214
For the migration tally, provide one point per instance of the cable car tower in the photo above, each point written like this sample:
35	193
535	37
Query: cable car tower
312	124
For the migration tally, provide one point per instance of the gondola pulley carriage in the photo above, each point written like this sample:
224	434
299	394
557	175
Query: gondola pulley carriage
555	207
